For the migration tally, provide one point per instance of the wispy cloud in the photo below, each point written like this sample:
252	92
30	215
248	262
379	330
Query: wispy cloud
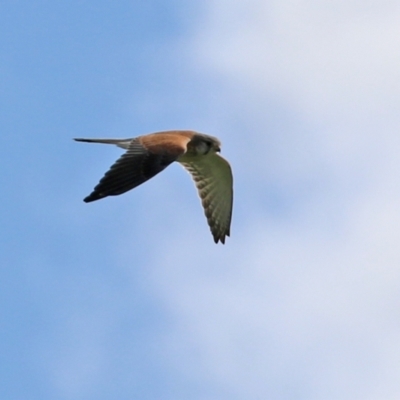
302	300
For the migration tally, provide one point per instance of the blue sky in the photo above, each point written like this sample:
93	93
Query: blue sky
129	297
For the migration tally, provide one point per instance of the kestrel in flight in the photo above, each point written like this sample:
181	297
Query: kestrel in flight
148	155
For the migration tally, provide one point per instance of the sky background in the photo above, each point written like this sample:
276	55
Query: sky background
129	297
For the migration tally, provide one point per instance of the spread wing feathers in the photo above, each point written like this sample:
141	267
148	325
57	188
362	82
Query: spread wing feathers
213	177
133	168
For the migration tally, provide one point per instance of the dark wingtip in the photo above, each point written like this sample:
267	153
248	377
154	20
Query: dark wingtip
222	237
219	239
93	197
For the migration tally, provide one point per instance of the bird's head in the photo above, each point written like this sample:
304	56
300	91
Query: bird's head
205	144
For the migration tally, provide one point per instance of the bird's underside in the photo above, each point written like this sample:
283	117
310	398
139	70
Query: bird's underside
148	155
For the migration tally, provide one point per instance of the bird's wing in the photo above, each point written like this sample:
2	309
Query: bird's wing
213	177
141	162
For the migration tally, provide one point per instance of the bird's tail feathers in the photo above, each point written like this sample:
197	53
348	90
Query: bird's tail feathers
124	143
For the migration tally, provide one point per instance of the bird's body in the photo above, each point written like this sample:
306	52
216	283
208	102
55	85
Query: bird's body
148	155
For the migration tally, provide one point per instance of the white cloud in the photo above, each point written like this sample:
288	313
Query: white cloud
317	54
303	304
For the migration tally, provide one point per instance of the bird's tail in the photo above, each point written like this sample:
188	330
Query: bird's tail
124	143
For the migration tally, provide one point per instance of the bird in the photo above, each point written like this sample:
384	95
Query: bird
149	154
